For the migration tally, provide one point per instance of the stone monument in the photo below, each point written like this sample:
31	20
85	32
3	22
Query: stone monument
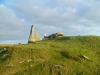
33	37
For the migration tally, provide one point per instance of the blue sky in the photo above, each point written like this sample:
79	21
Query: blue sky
72	17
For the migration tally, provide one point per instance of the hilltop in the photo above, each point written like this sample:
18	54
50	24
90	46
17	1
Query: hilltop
73	55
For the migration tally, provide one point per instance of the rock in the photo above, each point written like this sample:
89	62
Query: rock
59	34
31	65
6	55
29	60
21	62
3	50
85	57
33	37
55	35
52	36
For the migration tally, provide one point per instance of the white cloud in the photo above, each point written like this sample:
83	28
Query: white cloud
10	25
67	2
73	17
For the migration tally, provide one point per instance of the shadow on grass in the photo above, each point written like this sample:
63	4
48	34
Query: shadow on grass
63	38
70	55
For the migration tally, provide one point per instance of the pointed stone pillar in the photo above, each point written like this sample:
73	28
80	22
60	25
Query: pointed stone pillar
31	37
32	30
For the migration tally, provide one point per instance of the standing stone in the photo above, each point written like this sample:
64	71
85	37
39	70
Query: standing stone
33	37
32	30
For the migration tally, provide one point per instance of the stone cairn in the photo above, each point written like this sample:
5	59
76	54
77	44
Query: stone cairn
33	37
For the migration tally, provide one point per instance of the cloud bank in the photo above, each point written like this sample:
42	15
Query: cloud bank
73	17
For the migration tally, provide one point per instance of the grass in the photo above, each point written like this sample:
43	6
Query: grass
60	56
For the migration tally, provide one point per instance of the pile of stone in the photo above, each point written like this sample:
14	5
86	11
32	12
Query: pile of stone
55	35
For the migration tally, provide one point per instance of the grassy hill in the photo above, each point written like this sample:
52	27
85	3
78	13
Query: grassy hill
74	55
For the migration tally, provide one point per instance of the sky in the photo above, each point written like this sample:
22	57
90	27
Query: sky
72	17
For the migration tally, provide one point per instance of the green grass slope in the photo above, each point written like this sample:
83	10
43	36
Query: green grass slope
60	56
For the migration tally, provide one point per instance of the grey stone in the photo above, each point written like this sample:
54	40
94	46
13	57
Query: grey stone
33	37
59	34
55	35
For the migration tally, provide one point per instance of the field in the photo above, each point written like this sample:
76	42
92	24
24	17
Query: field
73	55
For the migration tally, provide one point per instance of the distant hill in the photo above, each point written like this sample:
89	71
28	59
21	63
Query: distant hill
73	55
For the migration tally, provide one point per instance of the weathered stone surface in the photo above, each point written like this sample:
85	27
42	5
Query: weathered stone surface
55	35
59	34
37	37
33	37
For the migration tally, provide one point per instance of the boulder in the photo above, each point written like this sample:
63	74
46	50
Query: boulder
59	34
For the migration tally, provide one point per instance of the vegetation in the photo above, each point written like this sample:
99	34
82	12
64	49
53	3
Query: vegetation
60	56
